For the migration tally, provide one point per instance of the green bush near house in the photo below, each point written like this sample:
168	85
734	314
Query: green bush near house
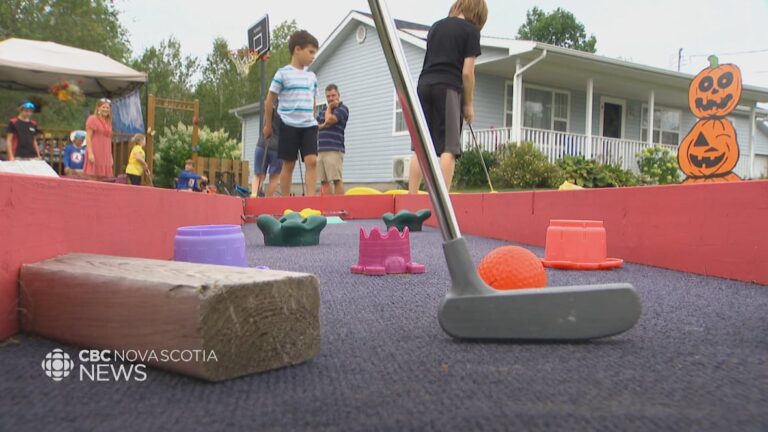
593	174
659	164
469	171
524	166
618	176
175	146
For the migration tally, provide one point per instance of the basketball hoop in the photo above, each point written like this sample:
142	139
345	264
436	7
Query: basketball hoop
243	59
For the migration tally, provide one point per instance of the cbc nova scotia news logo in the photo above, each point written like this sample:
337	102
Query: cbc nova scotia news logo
57	365
115	365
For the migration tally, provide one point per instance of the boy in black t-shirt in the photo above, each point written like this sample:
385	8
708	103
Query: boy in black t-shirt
447	82
21	134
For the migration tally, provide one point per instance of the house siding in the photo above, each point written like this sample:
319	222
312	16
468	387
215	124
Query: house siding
251	123
487	100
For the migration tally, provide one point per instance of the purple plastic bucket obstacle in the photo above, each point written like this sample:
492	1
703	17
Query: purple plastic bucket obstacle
210	244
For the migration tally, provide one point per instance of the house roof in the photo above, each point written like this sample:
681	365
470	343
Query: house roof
253	108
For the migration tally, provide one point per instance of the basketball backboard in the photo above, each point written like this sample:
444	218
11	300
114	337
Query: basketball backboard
258	36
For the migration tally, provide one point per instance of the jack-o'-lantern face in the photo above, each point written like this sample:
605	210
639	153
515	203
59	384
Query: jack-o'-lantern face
710	149
715	91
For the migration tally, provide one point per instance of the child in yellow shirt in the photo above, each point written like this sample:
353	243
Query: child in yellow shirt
137	165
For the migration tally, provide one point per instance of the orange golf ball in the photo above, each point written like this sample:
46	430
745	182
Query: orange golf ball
512	267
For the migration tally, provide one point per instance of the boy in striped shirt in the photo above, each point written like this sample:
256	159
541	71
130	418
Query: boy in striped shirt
296	90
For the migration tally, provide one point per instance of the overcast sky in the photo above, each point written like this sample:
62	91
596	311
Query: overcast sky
649	32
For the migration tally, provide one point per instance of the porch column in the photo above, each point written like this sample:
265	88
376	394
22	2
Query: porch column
651	111
590	97
752	132
517	97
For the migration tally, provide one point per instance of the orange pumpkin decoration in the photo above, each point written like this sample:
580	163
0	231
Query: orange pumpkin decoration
709	152
715	91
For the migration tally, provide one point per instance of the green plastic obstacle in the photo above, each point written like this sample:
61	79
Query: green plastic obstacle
405	218
291	229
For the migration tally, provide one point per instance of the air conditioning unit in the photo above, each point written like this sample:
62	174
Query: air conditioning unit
401	166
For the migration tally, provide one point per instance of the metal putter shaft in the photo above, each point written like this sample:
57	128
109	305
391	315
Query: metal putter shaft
482	159
472	309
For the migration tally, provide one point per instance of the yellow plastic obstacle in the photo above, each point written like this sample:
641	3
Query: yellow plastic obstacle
396	192
569	186
362	191
305	213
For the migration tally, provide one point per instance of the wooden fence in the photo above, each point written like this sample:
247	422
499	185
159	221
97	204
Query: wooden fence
227	170
53	141
231	172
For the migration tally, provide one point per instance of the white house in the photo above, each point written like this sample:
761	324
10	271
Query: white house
562	100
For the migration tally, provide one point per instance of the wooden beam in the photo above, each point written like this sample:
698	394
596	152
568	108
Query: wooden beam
150	132
245	173
175	104
252	320
195	132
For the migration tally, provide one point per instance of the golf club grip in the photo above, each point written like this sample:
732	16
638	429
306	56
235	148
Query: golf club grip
414	118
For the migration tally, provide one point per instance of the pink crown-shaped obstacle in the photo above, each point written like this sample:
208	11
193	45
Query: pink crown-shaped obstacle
386	253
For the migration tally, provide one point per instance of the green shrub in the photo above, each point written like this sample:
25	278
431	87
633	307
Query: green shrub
525	167
175	146
659	165
618	176
469	171
593	174
583	172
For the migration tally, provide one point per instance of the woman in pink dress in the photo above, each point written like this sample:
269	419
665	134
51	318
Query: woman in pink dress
98	142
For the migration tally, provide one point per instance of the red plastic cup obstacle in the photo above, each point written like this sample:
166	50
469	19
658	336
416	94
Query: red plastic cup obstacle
578	245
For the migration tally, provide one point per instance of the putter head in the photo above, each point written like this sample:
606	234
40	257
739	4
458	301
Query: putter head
473	310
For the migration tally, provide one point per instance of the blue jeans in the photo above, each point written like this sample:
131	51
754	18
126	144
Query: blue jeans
272	164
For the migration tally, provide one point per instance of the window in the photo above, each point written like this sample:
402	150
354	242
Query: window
543	108
400	127
666	125
560	116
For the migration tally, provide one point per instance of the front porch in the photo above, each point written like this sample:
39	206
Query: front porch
556	144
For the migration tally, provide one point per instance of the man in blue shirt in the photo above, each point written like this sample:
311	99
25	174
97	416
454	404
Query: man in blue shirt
332	121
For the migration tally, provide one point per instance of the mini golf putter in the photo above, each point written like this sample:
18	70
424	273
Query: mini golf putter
472	309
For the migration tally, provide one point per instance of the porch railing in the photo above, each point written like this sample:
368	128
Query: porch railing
556	144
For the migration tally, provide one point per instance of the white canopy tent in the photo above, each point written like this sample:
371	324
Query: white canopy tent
36	65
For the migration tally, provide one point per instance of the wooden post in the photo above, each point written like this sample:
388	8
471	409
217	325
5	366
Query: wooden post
200	165
150	131
236	171
213	165
195	121
251	320
246	172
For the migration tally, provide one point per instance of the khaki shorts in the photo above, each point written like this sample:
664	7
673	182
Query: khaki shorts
329	165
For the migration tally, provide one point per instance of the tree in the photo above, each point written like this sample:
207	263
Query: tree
222	88
558	28
93	25
169	75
